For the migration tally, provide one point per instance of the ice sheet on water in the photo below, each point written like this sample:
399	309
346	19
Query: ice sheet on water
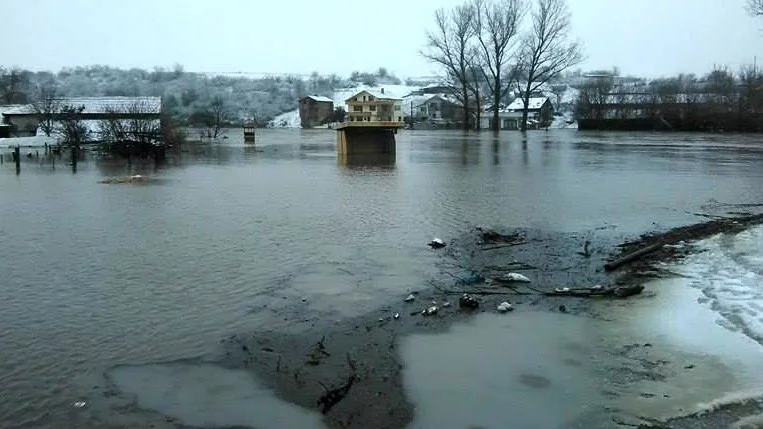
729	271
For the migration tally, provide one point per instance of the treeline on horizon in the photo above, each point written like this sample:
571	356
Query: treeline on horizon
718	101
188	97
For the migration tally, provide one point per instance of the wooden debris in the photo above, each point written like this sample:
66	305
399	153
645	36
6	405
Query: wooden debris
331	397
616	292
630	257
317	353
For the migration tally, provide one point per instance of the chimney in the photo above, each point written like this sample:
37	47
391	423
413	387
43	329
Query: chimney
382	91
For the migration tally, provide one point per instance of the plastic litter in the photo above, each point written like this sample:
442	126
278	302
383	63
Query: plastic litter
504	307
396	316
515	277
430	311
410	298
80	404
446	304
436	243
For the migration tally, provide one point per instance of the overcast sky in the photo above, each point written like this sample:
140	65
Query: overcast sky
641	37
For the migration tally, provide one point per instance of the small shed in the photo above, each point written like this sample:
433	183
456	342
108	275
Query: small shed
249	127
315	110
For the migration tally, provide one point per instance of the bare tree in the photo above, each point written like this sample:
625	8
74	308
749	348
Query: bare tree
755	7
12	84
496	25
46	106
450	46
132	128
219	115
546	51
73	130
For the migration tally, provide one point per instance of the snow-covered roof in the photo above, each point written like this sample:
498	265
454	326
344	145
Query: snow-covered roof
534	103
376	94
20	108
415	102
95	105
320	98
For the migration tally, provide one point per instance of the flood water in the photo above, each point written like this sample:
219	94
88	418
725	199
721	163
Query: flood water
224	237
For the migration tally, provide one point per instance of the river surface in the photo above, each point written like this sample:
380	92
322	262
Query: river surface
95	277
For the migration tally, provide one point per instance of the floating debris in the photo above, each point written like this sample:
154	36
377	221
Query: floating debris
446	304
515	277
469	302
396	316
137	178
561	290
410	298
80	404
430	311
504	307
436	243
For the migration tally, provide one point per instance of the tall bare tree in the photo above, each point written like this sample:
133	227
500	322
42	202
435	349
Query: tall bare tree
46	106
451	46
496	25
546	51
219	115
73	129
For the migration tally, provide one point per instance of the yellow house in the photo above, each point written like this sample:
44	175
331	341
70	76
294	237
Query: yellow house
372	106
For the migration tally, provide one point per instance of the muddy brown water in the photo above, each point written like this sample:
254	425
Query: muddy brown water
229	239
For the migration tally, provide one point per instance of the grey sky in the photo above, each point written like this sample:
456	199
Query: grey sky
642	37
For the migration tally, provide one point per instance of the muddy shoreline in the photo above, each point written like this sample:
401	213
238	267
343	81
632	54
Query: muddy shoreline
320	363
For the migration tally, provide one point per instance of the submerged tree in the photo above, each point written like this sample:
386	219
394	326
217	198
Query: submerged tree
46	106
450	46
546	51
496	26
219	115
73	129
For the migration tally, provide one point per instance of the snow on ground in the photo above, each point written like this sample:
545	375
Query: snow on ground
37	141
729	272
286	120
565	121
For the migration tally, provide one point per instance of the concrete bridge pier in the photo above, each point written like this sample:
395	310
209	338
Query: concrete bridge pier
351	141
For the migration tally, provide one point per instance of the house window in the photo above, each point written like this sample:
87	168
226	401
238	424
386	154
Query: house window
372	107
397	107
364	98
357	108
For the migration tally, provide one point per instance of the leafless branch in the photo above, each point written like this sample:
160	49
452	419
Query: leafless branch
46	106
546	51
496	26
755	7
450	46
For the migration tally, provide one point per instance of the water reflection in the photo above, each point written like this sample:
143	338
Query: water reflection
381	161
235	227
